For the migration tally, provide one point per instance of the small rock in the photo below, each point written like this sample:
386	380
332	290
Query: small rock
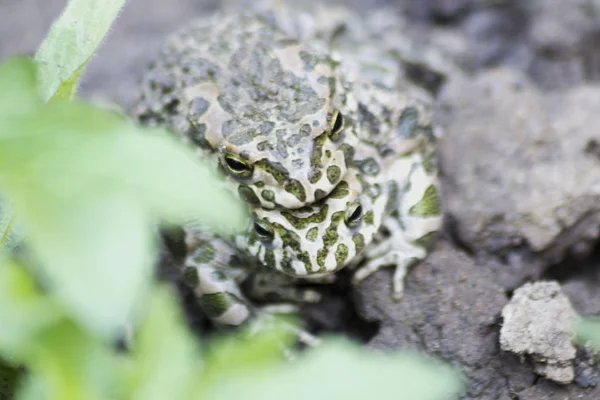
538	321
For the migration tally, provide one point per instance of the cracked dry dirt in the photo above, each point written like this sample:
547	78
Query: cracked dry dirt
520	163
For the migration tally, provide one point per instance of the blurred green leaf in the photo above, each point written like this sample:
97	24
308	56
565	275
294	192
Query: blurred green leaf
71	42
87	186
248	350
24	311
165	361
9	238
68	364
31	387
341	370
18	98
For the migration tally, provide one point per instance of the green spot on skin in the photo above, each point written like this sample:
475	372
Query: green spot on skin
268	195
407	122
264	145
286	264
369	166
296	188
341	254
190	277
368	218
429	206
312	234
321	256
337	218
427	240
309	60
197	107
270	259
327	153
276	171
317	153
292	240
333	174
197	133
248	195
315	176
260	184
215	304
289	237
305	259
302	223
340	191
429	165
280	174
204	254
359	242
320	194
219	276
330	237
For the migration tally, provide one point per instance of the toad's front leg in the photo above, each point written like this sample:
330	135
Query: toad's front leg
210	270
410	228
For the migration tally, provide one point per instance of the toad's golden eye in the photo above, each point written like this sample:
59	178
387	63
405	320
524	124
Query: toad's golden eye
354	215
238	167
337	123
263	229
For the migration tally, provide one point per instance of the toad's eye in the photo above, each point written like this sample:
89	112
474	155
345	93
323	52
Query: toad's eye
337	123
354	215
264	230
238	167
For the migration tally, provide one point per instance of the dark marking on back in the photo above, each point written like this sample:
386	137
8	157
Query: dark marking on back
248	195
341	253
216	304
197	134
197	107
369	166
340	191
407	122
312	233
190	277
333	173
320	194
268	195
359	242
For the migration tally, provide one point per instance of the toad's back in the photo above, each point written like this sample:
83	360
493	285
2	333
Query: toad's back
257	101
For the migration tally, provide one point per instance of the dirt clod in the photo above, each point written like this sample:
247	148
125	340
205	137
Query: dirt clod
538	322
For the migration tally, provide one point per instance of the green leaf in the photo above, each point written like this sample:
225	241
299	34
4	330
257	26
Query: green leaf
18	98
8	238
65	363
71	42
245	351
24	311
32	387
340	370
165	360
87	187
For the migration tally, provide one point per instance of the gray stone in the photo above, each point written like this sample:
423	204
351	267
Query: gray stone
538	321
